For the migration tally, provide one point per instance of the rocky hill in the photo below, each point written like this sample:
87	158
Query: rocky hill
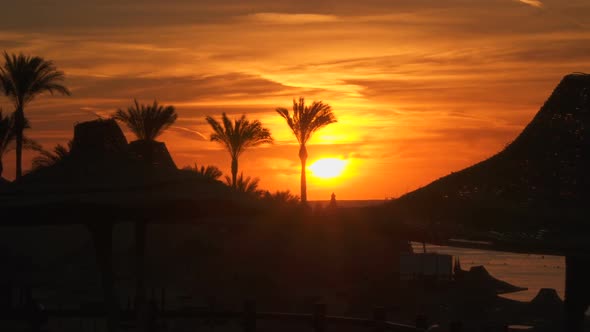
538	183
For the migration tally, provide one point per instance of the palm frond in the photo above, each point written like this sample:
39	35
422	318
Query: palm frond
239	135
147	122
281	197
7	133
245	185
209	171
306	120
49	158
23	78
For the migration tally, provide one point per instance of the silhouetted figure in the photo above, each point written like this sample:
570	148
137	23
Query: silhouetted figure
333	204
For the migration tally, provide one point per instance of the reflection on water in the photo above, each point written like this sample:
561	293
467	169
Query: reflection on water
525	270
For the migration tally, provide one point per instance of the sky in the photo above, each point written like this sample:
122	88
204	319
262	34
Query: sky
420	88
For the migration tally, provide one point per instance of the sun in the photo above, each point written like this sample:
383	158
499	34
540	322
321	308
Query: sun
327	168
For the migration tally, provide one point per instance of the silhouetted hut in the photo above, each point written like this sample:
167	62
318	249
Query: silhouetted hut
152	152
103	182
479	280
547	304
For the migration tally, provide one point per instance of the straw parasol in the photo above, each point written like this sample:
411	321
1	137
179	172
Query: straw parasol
103	182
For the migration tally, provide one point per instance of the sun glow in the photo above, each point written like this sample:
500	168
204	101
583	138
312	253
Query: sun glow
327	168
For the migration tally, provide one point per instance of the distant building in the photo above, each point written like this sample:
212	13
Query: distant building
431	266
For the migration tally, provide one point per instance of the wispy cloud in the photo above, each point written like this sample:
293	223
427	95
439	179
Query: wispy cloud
534	3
189	133
285	18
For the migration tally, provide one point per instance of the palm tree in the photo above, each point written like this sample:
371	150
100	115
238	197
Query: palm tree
305	121
237	137
22	79
243	184
147	122
49	158
211	172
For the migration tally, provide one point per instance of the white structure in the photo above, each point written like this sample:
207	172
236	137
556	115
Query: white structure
426	266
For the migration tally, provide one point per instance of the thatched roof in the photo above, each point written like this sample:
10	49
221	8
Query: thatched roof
101	180
547	301
155	153
479	279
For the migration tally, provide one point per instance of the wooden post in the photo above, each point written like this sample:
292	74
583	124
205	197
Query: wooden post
456	326
577	291
249	319
319	317
163	299
421	322
102	237
379	316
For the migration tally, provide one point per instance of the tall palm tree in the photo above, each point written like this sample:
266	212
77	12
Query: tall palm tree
209	171
22	79
147	122
305	121
237	137
48	158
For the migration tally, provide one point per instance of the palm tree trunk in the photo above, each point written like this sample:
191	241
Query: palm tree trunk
577	291
303	157
102	236
234	171
19	124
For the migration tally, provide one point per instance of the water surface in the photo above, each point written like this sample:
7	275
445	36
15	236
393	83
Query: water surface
525	270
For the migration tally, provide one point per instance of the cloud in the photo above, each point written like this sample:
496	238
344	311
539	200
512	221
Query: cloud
188	133
221	88
286	18
534	3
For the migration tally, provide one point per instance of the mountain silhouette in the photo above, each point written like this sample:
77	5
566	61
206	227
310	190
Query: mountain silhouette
536	186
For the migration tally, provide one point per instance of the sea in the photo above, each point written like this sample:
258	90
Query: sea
525	270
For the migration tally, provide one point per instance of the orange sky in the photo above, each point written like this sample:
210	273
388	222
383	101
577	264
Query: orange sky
420	87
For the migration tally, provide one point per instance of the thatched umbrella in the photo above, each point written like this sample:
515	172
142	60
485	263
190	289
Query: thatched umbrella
479	280
101	183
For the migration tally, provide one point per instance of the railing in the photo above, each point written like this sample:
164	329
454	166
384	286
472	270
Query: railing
247	318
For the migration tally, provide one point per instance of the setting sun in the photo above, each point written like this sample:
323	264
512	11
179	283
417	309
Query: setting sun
328	168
